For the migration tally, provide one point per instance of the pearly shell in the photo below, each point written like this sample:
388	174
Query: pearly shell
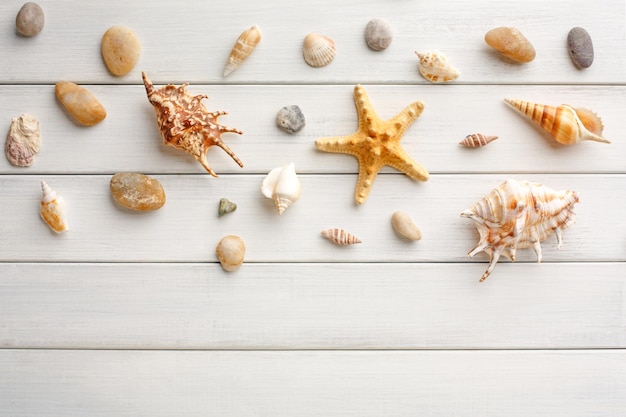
243	47
186	124
403	224
564	123
23	141
230	252
318	50
476	140
283	186
340	237
52	209
226	206
434	67
520	214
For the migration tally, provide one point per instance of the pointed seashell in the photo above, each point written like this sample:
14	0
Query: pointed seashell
244	46
434	67
378	34
564	123
230	252
511	43
318	50
23	141
52	209
226	206
476	140
340	237
403	224
520	214
283	186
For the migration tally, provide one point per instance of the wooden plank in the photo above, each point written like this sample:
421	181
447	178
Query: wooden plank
312	306
191	41
466	383
187	228
129	139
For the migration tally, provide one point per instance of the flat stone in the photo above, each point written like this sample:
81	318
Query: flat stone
290	119
120	49
30	19
378	34
511	43
580	47
80	103
136	191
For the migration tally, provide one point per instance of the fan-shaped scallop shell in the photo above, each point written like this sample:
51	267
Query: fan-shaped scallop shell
23	141
566	124
340	237
243	47
476	140
283	186
52	209
434	67
520	214
318	50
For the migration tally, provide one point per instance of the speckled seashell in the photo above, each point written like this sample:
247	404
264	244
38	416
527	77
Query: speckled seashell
340	237
318	50
378	34
290	119
520	214
283	186
434	67
52	209
230	252
477	140
580	47
226	206
23	141
567	125
243	47
403	224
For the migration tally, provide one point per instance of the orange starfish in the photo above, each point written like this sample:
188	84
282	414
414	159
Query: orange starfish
376	143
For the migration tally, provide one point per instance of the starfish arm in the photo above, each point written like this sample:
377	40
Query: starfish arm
404	163
338	144
364	109
367	175
406	117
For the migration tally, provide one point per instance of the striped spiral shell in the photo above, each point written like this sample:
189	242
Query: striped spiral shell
477	140
340	237
243	47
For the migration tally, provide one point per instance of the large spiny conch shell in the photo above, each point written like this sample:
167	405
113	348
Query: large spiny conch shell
434	67
318	50
520	214
564	123
52	209
476	140
243	48
340	237
23	141
186	124
283	186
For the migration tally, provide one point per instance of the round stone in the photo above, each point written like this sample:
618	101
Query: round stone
120	49
30	19
378	34
290	119
137	191
230	252
511	43
80	103
580	47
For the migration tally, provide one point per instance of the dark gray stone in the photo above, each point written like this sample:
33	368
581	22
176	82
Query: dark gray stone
580	47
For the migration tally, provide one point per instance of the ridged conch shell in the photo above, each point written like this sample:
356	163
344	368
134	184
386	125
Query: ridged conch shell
243	47
52	209
520	214
283	186
566	124
318	50
340	237
434	67
476	140
23	141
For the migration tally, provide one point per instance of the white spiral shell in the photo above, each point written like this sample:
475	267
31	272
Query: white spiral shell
52	209
283	186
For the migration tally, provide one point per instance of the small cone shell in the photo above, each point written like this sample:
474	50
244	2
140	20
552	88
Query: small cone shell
564	123
52	209
434	67
243	47
340	237
318	50
283	186
476	140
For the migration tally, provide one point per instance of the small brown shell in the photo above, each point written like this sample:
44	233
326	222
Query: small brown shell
244	46
340	237
318	50
476	140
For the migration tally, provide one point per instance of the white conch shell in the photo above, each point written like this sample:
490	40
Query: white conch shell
283	186
434	67
23	141
243	47
520	214
52	209
564	123
318	50
340	237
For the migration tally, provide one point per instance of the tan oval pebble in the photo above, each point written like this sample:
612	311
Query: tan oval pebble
30	19
230	252
80	103
120	50
511	43
137	191
405	227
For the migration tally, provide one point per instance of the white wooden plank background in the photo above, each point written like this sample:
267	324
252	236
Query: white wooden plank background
130	314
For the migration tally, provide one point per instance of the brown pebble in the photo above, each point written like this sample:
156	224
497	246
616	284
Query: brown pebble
30	19
120	50
511	43
80	103
137	191
580	47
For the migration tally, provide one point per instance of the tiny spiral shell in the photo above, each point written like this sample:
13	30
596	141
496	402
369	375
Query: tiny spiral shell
243	47
340	237
52	209
476	140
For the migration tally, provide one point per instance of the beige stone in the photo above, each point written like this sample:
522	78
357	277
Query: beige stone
511	43
30	19
136	191
80	103
120	49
